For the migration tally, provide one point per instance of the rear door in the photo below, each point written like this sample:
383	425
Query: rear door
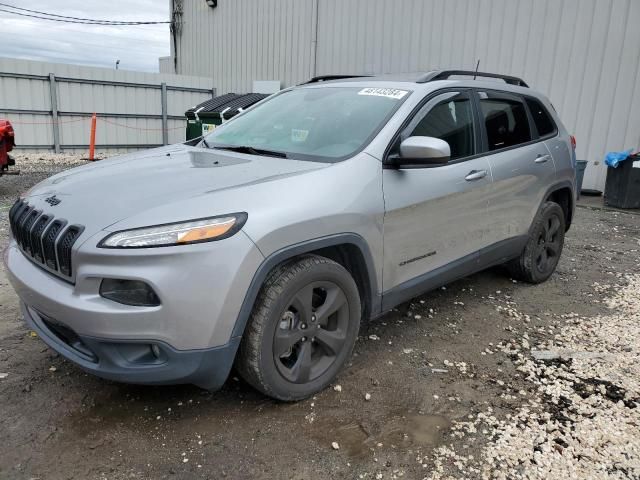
435	215
521	164
555	137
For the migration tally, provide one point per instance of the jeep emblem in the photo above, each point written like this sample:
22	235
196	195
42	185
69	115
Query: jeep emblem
52	200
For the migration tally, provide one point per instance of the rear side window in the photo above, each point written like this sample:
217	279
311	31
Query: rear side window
541	118
505	120
452	121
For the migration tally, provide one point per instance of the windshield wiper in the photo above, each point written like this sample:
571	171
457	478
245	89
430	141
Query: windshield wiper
206	144
251	150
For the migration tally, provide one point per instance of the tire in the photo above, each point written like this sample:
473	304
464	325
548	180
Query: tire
302	329
544	247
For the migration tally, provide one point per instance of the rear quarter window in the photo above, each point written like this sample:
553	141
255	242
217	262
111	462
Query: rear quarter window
541	118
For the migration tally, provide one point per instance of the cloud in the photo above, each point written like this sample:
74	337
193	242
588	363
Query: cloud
137	47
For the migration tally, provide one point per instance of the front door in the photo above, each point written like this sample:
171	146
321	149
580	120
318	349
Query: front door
435	217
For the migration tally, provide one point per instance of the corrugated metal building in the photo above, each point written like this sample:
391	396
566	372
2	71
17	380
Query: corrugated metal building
584	54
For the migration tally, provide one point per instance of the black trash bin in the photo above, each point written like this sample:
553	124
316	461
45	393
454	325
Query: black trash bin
622	189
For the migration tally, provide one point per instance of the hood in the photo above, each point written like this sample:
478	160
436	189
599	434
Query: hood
112	190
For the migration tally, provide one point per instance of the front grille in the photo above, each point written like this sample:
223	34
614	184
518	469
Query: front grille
24	214
45	239
49	244
26	230
19	205
36	237
64	248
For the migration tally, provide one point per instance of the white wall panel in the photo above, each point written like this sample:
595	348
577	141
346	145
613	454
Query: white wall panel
584	54
246	40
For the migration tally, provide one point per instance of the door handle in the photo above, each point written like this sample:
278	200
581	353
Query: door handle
475	175
543	158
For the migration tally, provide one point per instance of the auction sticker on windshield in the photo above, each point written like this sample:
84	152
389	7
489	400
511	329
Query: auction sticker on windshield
299	136
384	92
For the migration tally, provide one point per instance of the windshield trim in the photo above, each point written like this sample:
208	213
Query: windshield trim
310	157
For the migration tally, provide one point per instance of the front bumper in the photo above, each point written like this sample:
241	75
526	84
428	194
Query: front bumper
135	361
201	288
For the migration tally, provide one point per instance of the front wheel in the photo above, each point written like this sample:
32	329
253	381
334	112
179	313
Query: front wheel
544	247
302	329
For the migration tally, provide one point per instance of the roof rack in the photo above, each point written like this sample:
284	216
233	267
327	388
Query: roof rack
326	78
445	74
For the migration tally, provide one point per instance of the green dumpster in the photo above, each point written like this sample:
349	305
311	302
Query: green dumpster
205	117
201	125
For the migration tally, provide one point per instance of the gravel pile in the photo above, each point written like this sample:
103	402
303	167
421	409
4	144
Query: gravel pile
584	419
35	167
50	163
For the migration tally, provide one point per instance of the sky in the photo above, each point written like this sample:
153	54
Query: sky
137	47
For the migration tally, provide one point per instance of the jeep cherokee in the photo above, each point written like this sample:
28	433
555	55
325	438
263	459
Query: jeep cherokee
268	242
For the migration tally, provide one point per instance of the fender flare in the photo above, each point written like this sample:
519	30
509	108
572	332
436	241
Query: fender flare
295	250
555	187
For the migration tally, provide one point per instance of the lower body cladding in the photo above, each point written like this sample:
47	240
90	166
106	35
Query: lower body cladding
147	363
187	338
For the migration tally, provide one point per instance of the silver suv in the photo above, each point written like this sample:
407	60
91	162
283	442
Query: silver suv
268	242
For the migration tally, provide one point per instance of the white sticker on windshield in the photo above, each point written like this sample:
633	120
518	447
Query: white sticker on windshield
207	128
384	92
299	136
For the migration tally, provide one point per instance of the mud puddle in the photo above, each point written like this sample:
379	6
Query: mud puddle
359	438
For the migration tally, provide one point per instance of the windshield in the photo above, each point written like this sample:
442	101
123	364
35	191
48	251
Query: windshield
326	124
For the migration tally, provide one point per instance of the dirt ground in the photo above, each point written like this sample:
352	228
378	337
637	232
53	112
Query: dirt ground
428	368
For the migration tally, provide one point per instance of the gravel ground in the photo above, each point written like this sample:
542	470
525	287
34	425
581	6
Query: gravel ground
486	378
33	168
583	420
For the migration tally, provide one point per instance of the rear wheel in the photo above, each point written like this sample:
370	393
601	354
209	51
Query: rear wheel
302	330
544	247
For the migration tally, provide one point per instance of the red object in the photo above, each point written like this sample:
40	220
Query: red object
573	142
92	140
7	142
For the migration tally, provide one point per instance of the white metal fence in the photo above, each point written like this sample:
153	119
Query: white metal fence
50	106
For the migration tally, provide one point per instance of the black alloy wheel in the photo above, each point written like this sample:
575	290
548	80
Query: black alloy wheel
549	245
302	329
542	251
312	332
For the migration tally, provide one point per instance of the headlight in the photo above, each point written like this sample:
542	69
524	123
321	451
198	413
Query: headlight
182	233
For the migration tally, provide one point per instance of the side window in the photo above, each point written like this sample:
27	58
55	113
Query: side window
505	120
450	120
541	118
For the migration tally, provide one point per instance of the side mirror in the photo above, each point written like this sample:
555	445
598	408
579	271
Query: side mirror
423	151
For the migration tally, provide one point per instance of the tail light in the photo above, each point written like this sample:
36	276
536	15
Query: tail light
573	142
